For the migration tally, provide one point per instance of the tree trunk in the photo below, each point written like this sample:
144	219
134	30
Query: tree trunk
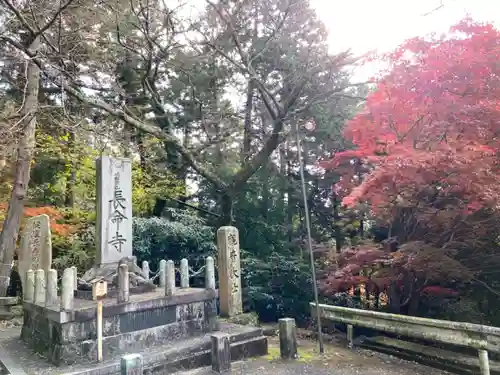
69	196
247	134
227	204
12	222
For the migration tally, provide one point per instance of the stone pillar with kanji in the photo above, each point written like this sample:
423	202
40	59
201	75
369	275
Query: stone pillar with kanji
228	246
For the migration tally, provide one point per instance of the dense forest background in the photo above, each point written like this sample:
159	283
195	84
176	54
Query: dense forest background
401	170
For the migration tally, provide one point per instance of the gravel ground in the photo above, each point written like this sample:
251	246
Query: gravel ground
259	367
337	360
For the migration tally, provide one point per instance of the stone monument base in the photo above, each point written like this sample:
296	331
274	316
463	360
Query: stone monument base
147	320
185	354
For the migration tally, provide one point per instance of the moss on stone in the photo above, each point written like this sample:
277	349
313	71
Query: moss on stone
245	319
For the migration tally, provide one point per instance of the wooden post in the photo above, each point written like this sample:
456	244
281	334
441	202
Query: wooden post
99	291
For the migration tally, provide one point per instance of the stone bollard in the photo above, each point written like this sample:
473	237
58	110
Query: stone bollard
163	273
170	278
51	293
221	352
123	284
288	338
184	273
145	269
40	287
67	290
75	277
210	273
29	293
131	364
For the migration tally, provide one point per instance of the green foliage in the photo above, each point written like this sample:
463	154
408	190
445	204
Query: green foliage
277	286
147	187
56	158
186	237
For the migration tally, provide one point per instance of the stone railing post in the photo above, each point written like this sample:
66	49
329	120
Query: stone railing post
75	277
163	273
40	287
170	278
145	269
184	273
228	246
484	364
123	284
209	273
67	290
29	292
51	292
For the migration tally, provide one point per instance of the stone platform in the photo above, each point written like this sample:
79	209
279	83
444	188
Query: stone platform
186	354
147	320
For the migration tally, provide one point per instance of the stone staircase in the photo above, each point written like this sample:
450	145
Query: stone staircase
185	354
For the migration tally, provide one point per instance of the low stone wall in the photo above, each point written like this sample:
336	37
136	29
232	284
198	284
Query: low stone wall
149	319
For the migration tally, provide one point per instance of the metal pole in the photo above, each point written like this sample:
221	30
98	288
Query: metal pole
309	242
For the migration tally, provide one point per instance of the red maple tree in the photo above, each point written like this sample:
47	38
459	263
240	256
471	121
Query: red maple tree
427	145
432	123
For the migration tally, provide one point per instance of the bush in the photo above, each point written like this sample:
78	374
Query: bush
277	286
186	237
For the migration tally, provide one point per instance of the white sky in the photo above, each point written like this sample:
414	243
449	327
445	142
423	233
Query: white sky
363	25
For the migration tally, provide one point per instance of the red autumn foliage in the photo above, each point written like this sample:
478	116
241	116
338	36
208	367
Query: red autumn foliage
431	127
415	270
54	214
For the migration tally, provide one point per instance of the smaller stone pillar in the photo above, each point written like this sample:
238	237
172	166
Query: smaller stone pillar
75	277
67	290
210	273
145	269
40	287
288	338
170	278
123	284
163	273
184	273
131	364
221	353
51	292
228	246
29	293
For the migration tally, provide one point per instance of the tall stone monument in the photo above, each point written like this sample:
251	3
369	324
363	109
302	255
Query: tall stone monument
228	245
114	210
35	251
113	227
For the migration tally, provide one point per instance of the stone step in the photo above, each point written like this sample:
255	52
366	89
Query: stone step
458	363
187	354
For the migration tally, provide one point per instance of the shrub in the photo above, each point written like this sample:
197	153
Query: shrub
186	237
277	286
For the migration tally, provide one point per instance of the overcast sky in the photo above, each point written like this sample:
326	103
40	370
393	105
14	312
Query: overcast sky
364	25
